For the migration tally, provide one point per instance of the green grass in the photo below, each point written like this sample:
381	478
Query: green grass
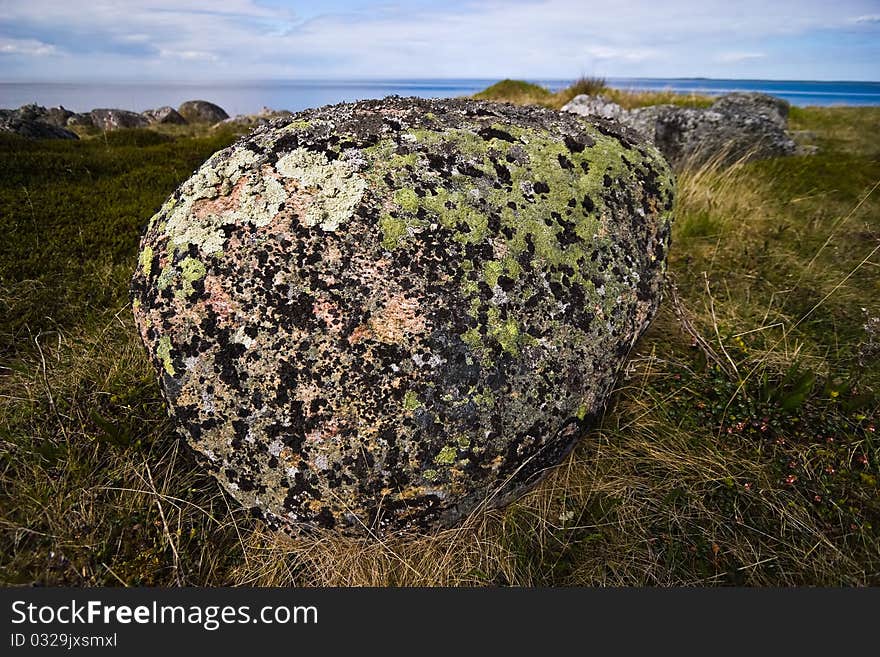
741	446
527	93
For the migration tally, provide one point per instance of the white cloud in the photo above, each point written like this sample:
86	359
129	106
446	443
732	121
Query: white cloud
621	54
189	55
28	47
467	38
737	57
872	18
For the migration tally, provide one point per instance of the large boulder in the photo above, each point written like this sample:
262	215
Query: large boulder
738	126
115	119
167	115
201	111
386	314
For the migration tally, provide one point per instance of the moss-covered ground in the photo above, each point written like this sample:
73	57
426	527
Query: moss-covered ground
741	446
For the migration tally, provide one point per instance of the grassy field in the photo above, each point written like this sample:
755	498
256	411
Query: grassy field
741	446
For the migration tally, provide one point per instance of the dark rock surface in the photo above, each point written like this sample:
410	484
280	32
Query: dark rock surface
737	126
81	120
114	119
201	111
164	115
385	314
36	122
34	129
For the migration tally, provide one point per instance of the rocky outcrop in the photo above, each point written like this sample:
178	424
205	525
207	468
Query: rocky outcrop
201	111
36	122
738	126
166	114
386	314
33	129
114	119
31	120
263	117
80	120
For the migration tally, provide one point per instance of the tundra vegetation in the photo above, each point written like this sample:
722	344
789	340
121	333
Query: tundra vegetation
741	446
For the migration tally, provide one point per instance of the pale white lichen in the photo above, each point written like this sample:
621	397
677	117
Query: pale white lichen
335	187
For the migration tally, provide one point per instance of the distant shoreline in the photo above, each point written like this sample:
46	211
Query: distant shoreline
248	97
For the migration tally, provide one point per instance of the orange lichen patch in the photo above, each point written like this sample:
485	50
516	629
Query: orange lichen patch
410	493
222	204
362	332
328	312
332	255
324	432
397	320
290	458
218	299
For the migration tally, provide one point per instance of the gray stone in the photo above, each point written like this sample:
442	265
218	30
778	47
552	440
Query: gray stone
81	120
33	128
738	126
36	122
201	111
164	115
387	314
594	106
115	119
57	116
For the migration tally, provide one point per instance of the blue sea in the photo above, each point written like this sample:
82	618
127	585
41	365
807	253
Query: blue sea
251	97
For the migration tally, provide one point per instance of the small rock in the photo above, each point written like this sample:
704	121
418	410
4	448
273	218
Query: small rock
164	115
81	120
57	116
594	106
114	119
201	111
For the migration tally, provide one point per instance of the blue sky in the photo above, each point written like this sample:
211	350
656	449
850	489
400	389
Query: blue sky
61	40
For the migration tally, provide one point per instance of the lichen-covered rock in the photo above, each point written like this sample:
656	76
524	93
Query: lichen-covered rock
737	126
115	119
201	111
165	114
384	314
600	106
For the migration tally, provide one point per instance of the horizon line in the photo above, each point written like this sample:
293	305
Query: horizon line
409	79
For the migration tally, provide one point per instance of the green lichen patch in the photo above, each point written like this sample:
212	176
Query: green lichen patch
163	353
191	270
446	456
411	401
146	260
